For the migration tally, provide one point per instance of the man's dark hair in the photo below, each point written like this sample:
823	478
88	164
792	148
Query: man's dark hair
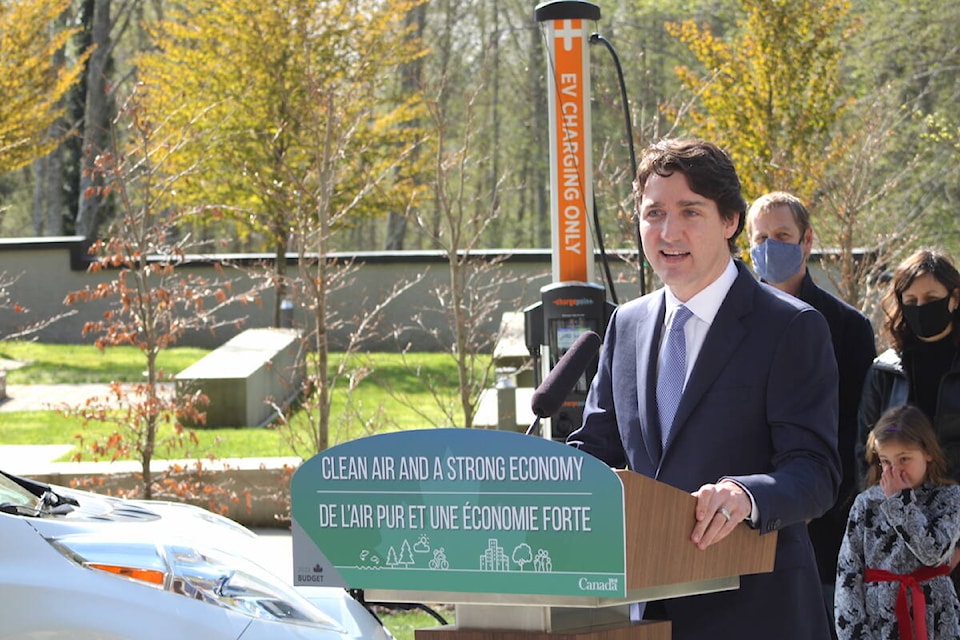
709	171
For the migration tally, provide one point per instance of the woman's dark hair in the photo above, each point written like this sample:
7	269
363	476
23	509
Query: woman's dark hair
709	171
921	262
909	426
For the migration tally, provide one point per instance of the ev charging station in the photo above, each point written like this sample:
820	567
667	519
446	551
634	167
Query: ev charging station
573	303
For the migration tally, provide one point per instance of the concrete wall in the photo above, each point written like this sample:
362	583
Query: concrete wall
48	269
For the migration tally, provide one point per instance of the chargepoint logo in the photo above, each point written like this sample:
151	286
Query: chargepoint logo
610	584
573	302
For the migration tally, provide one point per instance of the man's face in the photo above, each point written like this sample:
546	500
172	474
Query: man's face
683	235
777	223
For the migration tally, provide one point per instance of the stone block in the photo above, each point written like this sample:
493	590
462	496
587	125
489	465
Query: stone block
246	376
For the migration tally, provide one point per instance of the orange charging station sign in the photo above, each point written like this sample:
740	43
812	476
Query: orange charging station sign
571	180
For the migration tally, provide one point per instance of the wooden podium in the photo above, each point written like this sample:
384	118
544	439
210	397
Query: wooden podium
662	562
412	517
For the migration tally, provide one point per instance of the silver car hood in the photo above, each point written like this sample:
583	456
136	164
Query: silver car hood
147	521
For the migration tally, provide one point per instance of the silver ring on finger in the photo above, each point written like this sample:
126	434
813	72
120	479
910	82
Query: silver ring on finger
725	513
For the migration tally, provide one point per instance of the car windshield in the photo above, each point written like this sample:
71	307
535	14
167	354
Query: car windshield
13	495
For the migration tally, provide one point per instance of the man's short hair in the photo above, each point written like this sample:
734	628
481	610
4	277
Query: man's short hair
776	199
709	171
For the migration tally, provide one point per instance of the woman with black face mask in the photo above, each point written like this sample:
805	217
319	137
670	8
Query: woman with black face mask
922	366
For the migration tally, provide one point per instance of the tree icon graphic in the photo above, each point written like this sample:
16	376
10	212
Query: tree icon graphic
522	554
406	554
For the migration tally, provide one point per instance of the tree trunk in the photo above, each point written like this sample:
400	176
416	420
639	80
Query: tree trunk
412	75
53	225
39	179
48	172
48	196
96	122
396	231
282	286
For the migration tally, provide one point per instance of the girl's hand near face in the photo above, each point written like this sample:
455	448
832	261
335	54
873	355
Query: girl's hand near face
892	480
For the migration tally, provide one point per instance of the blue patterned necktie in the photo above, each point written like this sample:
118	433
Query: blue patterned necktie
671	376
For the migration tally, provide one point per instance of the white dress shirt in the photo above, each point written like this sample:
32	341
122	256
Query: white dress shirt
704	307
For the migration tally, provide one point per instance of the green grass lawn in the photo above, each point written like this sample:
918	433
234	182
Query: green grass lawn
403	624
77	364
392	396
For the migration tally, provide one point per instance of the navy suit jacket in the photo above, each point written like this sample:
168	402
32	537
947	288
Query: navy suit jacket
760	407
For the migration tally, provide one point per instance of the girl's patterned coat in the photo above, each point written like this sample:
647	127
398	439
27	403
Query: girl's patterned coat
913	528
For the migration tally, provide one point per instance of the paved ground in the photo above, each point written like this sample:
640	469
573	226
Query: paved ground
23	459
41	397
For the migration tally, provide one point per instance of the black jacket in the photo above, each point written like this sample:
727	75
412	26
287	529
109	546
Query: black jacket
888	385
854	347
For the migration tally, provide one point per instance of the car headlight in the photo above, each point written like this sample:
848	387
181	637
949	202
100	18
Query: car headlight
207	575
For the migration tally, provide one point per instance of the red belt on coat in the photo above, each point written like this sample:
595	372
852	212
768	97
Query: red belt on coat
909	590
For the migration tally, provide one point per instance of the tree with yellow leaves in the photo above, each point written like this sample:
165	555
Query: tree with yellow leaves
32	82
772	94
256	84
294	127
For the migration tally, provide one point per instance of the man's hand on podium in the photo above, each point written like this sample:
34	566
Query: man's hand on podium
720	508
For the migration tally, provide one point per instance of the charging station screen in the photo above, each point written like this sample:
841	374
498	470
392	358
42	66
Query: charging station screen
566	336
567	331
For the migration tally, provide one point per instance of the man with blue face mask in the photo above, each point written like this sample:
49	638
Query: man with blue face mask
781	237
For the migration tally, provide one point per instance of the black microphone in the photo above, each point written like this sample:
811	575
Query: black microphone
549	396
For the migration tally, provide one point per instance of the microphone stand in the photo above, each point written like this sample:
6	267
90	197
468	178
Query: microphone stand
535	425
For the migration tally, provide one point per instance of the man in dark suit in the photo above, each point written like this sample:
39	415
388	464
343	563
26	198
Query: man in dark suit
781	238
754	436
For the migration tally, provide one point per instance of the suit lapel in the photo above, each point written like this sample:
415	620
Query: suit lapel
721	343
648	340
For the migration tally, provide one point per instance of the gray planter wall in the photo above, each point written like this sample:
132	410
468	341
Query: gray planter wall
48	269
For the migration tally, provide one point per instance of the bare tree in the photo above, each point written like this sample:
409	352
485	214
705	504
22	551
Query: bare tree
412	79
870	211
153	302
474	291
49	201
315	215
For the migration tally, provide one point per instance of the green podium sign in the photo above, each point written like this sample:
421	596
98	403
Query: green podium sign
459	510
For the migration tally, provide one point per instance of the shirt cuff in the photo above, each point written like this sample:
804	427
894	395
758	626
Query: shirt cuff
754	518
